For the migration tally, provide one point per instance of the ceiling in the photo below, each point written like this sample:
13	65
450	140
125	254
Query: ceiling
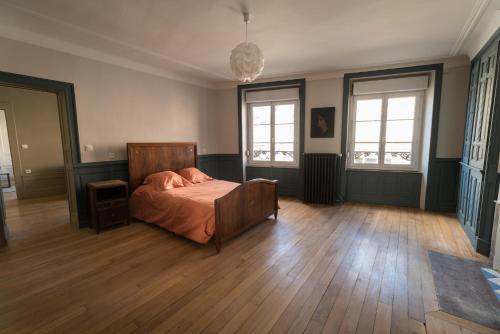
194	37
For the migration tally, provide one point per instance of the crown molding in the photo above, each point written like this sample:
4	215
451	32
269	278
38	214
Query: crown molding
224	82
43	41
469	25
449	63
112	41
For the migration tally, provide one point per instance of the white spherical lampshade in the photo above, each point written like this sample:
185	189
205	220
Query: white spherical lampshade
247	61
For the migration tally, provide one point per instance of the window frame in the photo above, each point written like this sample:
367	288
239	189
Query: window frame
417	130
296	144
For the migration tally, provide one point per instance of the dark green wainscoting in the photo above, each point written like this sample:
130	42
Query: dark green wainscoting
290	179
443	187
220	166
384	187
91	172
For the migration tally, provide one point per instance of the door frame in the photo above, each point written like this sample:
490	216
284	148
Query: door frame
65	93
432	175
15	154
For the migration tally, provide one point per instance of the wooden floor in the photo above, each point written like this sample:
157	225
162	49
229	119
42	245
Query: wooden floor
345	269
31	217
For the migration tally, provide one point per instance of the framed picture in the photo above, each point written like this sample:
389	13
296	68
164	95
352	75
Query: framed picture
323	122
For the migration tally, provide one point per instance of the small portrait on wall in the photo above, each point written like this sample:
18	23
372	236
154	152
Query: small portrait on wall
322	122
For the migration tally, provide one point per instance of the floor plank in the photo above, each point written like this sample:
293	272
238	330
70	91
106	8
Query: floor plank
354	268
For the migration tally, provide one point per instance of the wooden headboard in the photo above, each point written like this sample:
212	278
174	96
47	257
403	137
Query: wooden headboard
148	158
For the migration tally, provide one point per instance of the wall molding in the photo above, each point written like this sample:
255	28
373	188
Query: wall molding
443	195
469	25
384	187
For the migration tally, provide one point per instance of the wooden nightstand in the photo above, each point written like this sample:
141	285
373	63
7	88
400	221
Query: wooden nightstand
108	203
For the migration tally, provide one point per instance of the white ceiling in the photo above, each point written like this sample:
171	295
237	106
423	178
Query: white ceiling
194	37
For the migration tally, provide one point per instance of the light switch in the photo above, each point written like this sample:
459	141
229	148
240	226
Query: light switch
24	146
28	171
88	147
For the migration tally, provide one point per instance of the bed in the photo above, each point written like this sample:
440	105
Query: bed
214	210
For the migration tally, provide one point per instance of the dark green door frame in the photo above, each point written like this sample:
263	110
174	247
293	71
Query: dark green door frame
299	83
432	178
66	98
57	87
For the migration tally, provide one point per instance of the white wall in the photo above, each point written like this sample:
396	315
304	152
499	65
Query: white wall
454	95
227	120
117	105
328	93
324	93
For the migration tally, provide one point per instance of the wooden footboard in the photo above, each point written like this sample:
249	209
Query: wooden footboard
243	207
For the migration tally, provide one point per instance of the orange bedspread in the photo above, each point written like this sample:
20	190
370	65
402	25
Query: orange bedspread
187	211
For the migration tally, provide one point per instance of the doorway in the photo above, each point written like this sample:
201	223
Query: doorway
7	181
33	171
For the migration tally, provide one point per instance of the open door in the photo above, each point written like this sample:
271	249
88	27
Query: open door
4	234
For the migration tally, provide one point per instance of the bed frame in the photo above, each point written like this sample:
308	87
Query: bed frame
245	206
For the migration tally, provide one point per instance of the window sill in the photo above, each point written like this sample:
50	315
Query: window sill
267	166
409	171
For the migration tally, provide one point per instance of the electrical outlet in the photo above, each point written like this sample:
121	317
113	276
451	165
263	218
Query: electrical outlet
111	155
24	146
27	171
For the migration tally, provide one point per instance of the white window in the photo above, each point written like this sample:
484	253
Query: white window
273	134
385	131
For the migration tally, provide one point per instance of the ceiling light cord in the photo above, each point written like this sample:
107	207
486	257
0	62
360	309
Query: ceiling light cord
246	18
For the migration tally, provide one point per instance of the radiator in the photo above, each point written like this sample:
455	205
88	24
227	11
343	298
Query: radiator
320	174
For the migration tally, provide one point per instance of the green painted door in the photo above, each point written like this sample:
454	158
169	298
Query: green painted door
483	110
463	192
480	156
475	181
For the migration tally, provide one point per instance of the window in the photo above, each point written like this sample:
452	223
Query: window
385	131
273	133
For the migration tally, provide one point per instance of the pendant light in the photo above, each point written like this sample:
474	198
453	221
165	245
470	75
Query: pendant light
247	60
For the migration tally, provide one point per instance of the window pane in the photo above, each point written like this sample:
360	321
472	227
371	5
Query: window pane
284	133
368	147
261	114
284	152
368	110
366	157
398	147
262	133
399	131
283	146
401	107
367	131
261	152
397	153
397	158
284	113
283	156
